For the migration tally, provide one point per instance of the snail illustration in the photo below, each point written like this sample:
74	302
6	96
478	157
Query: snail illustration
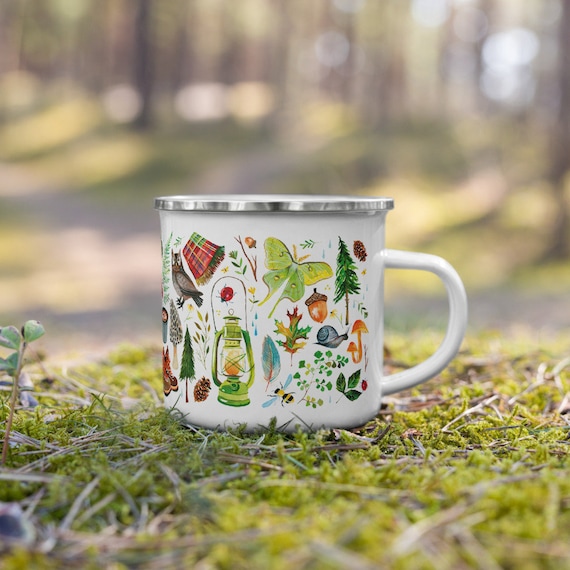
328	337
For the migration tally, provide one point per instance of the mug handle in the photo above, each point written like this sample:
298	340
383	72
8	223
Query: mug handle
456	326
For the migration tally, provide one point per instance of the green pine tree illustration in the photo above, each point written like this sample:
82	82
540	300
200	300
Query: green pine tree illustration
346	281
187	371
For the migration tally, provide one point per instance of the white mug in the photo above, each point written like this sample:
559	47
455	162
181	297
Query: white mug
273	310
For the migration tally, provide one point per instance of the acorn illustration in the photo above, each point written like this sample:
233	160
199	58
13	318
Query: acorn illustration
250	242
317	305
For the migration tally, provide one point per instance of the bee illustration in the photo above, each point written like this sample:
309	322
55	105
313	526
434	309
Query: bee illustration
280	394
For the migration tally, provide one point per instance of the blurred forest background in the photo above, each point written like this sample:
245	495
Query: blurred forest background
459	109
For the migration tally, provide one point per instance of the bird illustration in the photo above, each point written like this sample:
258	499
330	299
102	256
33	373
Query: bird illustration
183	284
328	337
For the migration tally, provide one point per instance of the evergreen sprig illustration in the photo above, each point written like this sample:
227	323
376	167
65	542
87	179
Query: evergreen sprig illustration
239	264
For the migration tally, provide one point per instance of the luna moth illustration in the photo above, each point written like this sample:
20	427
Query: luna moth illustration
288	273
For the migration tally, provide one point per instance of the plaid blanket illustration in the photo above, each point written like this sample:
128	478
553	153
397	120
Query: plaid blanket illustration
203	257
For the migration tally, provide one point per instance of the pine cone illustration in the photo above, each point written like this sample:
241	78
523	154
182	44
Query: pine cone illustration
202	389
359	250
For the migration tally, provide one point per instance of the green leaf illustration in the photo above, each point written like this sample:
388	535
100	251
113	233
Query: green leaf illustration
341	383
348	388
354	379
353	395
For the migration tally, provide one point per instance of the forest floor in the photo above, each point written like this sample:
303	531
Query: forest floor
467	471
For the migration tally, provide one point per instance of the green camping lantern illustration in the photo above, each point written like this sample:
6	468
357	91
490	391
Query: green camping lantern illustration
232	363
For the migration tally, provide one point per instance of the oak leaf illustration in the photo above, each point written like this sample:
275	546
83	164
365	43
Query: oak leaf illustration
295	335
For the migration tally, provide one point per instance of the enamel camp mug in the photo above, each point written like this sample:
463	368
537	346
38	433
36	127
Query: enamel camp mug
273	307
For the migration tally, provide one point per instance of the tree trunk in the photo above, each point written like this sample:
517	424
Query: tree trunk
143	62
560	166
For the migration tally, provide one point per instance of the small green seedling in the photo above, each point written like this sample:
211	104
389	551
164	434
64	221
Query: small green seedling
13	339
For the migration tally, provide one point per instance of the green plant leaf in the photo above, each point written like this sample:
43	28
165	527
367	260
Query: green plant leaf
354	379
10	337
341	383
9	364
353	395
33	330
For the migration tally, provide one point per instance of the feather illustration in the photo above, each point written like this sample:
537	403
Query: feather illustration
270	360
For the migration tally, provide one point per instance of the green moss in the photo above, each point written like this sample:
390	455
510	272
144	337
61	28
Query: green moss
473	462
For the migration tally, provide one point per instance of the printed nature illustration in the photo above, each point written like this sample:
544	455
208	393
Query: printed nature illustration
356	349
281	395
183	284
346	282
233	365
175	333
329	337
270	361
288	273
203	257
187	365
317	306
170	382
288	335
294	335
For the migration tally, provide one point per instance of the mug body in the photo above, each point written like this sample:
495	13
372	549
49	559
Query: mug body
272	310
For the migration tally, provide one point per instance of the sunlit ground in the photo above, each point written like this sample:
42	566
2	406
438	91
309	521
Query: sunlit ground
79	242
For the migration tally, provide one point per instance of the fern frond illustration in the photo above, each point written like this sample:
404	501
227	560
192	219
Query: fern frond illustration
166	269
